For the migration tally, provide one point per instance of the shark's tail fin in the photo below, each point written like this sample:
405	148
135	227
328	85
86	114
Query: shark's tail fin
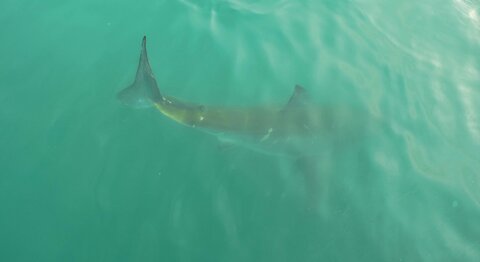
144	91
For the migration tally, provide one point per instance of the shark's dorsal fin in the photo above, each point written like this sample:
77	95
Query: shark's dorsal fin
297	97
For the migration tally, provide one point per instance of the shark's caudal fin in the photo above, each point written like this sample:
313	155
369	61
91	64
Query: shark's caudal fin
144	91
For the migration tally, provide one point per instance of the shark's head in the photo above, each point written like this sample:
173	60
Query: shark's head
143	93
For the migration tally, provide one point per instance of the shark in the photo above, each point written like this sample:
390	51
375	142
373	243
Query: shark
297	127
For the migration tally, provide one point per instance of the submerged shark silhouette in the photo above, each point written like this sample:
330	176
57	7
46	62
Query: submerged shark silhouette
297	128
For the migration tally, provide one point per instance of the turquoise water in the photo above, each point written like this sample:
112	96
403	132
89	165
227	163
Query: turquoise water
84	178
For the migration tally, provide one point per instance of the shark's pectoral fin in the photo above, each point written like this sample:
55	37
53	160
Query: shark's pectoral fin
309	169
225	146
225	141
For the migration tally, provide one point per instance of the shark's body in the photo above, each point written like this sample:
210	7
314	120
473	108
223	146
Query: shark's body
296	128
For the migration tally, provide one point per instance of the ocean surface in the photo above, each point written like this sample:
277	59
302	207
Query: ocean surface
85	178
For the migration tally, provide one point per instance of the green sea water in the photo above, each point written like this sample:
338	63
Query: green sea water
85	178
